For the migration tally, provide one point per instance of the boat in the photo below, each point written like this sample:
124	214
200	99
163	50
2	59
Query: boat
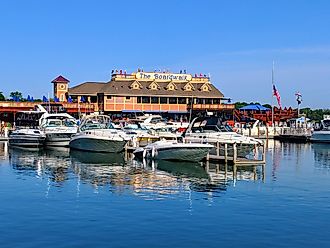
58	128
321	132
27	133
28	138
172	150
96	134
213	130
142	136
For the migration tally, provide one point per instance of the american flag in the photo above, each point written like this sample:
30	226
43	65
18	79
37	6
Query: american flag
277	95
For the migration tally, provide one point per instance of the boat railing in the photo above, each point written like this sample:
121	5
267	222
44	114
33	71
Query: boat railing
297	131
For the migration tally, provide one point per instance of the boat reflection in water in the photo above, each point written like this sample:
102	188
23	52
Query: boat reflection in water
51	164
321	155
149	180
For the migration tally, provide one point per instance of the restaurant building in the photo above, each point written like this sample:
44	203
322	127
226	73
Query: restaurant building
149	92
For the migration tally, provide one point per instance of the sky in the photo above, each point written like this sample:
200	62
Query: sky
234	41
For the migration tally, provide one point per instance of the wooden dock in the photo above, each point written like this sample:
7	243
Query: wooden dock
234	158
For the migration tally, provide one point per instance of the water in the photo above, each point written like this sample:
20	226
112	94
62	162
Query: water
56	199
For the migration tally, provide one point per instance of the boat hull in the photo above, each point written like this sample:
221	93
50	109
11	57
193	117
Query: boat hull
26	141
321	137
163	150
182	154
58	139
97	144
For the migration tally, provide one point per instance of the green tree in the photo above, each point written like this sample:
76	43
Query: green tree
16	94
240	104
2	97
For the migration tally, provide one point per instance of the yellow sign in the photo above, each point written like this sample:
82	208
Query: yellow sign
149	76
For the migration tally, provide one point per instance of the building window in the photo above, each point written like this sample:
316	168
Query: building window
163	100
62	98
145	99
182	100
154	100
109	97
208	101
93	99
173	100
128	98
198	101
216	101
139	99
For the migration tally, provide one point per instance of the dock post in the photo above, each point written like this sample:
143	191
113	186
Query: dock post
226	153
6	132
235	153
218	149
126	153
264	153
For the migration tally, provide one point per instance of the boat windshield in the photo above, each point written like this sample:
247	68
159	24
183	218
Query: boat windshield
96	125
326	124
211	125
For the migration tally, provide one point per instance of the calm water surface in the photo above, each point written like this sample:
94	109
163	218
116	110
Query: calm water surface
54	198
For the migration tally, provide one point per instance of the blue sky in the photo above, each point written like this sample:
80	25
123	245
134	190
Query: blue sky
234	41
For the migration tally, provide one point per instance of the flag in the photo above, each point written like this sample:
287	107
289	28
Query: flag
82	99
28	98
298	97
44	99
69	99
56	99
277	95
32	99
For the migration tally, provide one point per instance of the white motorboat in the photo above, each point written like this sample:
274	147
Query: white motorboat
58	128
212	130
172	150
25	137
322	132
97	134
26	133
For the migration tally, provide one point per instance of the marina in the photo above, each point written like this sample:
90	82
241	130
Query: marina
189	124
62	190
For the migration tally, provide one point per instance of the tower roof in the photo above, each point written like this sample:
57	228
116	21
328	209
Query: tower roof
60	79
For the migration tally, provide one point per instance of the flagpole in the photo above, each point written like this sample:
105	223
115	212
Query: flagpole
273	95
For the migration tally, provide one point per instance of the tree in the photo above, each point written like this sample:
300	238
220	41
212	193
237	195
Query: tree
16	94
240	104
267	106
2	97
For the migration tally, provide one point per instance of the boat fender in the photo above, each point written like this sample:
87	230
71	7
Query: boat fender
153	152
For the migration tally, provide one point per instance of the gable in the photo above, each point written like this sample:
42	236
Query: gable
136	85
205	87
153	86
188	87
171	86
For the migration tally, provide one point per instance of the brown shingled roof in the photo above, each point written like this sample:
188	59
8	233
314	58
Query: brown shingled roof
123	88
87	88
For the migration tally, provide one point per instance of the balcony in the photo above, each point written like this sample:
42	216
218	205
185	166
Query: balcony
213	107
11	107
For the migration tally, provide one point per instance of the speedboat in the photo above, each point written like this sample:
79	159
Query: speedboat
58	128
96	134
212	130
26	137
172	150
322	132
26	133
